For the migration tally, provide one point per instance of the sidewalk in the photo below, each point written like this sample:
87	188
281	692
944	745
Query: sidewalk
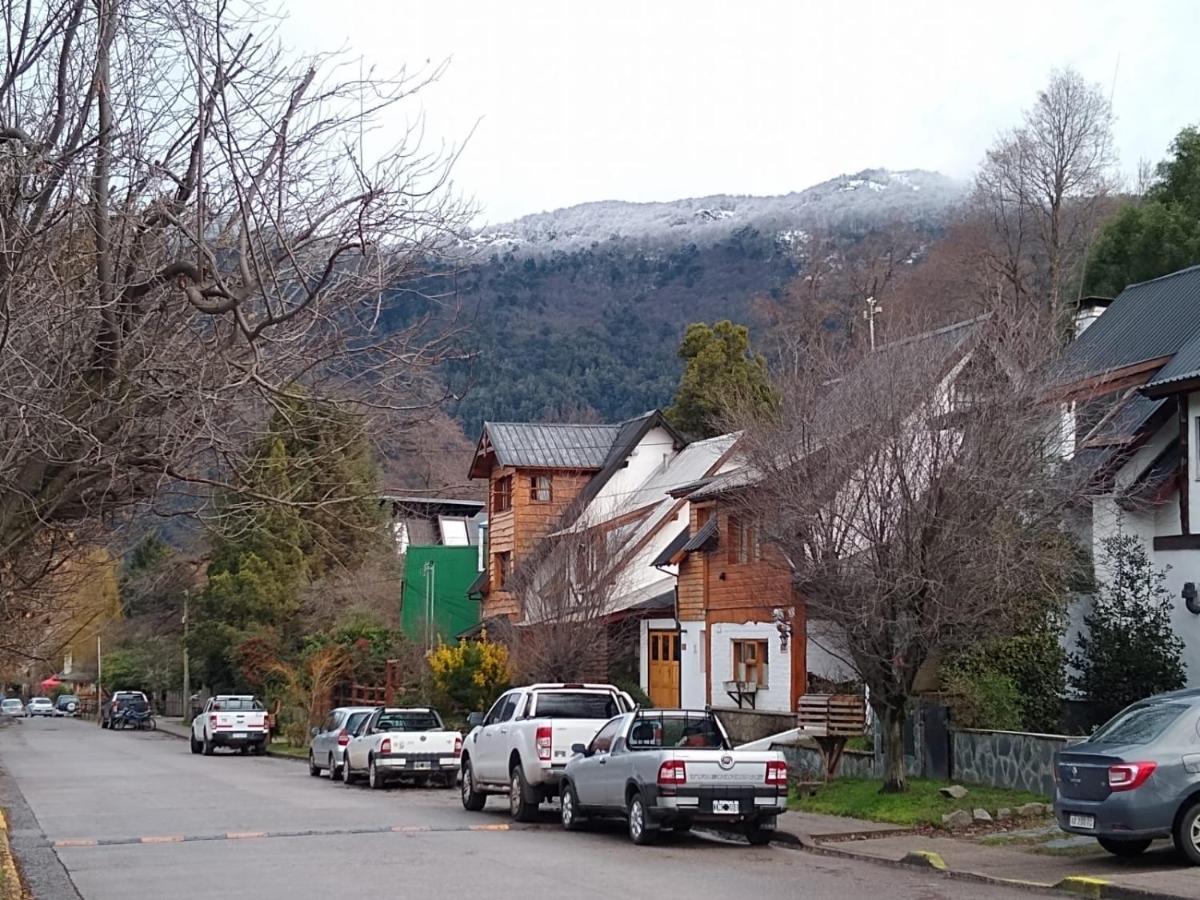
1076	868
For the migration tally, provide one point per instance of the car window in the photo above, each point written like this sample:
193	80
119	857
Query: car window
576	705
413	720
237	704
652	732
602	742
355	722
1138	724
503	709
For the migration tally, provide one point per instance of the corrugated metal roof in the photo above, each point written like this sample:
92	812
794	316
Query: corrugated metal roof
1148	320
1184	366
1157	477
677	543
1126	422
707	532
552	446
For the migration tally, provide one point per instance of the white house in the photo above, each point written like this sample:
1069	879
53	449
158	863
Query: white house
1131	388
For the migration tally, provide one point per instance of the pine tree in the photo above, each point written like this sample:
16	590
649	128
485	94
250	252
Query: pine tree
1128	650
722	372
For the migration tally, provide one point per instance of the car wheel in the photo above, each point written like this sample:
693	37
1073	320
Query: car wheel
334	771
260	749
1124	848
1187	834
313	769
208	747
347	775
758	836
640	831
194	744
472	800
572	816
374	779
518	797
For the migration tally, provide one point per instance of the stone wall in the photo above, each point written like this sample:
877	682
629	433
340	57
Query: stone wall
746	725
1009	759
805	764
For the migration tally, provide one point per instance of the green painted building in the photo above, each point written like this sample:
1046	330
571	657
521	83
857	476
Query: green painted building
435	602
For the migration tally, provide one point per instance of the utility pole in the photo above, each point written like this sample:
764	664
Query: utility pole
187	681
873	309
99	682
430	583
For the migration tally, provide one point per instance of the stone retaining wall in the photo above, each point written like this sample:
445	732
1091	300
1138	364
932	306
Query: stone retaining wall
746	725
1008	759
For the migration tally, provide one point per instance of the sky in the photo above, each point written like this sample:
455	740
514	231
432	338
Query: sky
558	103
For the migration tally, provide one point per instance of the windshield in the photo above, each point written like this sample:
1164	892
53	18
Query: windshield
1138	724
423	720
653	732
236	704
578	705
11	704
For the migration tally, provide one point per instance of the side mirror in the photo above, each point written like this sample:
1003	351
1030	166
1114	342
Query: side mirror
314	731
579	749
474	720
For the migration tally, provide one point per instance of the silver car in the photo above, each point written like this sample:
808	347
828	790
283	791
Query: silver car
41	706
673	769
327	749
12	706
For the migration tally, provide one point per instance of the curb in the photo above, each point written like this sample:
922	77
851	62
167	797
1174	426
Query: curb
1075	885
270	753
10	880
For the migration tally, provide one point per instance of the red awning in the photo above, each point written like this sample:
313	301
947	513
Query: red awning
51	682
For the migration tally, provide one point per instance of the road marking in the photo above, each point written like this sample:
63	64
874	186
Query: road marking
70	843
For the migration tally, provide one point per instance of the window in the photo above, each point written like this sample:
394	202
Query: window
502	568
654	730
750	662
541	489
744	544
355	721
602	742
454	532
503	709
576	705
502	494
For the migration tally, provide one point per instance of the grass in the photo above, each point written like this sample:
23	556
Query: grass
860	798
286	749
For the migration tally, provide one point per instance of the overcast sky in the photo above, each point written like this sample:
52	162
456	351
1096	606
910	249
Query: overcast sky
659	100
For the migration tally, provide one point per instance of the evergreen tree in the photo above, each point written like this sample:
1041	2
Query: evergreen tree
721	372
1128	649
1158	236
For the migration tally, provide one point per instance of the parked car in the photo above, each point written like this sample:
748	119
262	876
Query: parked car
40	706
12	706
523	744
231	720
66	705
113	711
673	769
410	744
1137	778
327	748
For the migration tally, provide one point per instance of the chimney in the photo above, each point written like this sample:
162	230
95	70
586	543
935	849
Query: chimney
1088	311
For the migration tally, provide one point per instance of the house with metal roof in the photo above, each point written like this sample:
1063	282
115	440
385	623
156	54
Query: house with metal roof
1130	385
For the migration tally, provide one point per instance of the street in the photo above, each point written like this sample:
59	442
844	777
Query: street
134	815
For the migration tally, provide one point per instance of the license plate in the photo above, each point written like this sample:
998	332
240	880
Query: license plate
725	807
422	765
1076	821
239	735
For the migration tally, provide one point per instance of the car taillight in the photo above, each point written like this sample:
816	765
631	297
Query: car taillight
673	771
1128	776
543	742
343	738
385	746
777	773
457	745
212	720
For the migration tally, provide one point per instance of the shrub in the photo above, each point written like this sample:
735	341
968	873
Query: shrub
983	700
470	674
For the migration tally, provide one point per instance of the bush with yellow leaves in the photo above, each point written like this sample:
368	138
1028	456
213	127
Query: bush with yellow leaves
470	674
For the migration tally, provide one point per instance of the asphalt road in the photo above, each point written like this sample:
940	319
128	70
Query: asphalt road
128	815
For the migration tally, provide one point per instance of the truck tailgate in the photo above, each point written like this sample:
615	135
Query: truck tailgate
237	722
565	733
726	768
441	743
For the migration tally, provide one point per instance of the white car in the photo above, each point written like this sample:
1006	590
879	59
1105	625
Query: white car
40	706
231	720
522	746
412	744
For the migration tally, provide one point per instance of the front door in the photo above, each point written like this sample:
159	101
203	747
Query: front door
664	668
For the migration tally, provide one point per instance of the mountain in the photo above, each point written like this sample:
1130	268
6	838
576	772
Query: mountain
578	312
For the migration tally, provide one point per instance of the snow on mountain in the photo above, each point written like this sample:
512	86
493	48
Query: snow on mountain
849	202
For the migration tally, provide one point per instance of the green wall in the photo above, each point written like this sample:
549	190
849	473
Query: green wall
454	568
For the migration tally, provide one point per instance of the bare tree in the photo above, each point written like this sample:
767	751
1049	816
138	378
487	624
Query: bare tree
1043	188
192	233
568	589
914	494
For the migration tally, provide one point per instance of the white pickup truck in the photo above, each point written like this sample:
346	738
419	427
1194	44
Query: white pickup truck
413	744
523	744
231	720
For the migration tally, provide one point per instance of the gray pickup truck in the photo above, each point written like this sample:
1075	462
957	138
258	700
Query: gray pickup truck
673	768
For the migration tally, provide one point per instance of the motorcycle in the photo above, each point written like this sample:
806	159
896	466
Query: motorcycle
141	719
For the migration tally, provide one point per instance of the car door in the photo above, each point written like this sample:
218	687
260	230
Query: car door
491	754
591	773
362	743
198	723
322	744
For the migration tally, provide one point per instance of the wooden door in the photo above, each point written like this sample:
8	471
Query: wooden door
664	668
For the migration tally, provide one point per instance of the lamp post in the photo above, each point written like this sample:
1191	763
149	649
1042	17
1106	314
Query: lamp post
187	681
99	683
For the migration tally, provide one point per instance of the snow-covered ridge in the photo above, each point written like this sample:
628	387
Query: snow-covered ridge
860	200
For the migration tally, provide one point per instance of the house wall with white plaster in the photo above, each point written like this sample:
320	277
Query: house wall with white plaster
774	696
653	452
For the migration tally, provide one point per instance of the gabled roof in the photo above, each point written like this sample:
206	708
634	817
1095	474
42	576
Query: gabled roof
1149	321
677	544
1183	367
700	540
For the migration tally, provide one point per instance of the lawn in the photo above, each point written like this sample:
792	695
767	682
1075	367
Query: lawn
920	805
285	749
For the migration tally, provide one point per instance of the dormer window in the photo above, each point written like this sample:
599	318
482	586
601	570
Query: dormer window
541	489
